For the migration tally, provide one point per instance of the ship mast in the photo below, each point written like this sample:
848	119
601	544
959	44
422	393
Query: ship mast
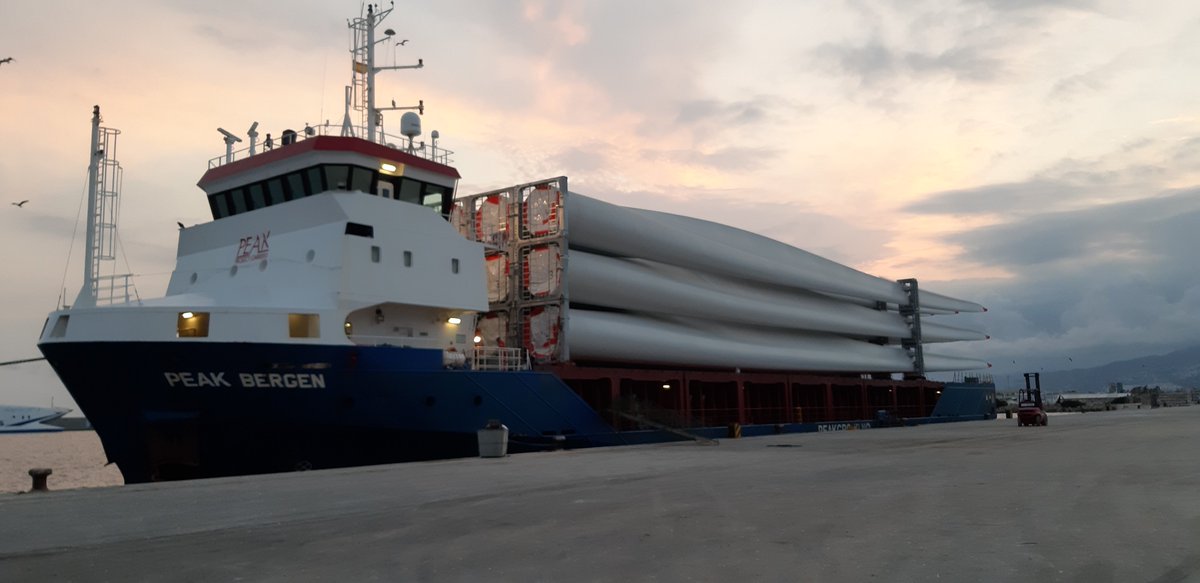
363	83
104	186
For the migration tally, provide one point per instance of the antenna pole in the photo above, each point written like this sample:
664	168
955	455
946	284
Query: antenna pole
371	73
87	295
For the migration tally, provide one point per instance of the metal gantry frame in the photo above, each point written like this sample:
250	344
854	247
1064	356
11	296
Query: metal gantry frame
516	245
911	312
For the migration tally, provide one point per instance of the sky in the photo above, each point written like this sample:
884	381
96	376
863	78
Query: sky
1039	157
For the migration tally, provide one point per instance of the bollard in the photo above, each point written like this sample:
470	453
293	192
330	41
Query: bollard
1008	414
39	476
735	430
493	439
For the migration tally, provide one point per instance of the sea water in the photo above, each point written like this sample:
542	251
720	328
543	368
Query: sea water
76	457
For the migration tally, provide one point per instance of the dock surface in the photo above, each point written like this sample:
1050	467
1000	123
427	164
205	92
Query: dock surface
1098	497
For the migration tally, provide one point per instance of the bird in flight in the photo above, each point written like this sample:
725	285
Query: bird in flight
20	204
6	60
402	43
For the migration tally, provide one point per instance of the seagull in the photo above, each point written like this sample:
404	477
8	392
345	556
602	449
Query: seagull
181	227
6	60
401	43
20	204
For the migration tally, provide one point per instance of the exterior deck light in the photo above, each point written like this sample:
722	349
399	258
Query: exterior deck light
387	167
186	315
454	320
478	339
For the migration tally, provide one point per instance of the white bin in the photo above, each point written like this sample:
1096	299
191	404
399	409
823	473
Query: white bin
493	440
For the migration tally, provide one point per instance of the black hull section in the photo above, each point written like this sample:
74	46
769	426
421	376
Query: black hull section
182	410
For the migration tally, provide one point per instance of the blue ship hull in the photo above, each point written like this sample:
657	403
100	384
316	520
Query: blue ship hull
176	411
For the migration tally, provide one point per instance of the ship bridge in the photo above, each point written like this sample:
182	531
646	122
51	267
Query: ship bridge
309	163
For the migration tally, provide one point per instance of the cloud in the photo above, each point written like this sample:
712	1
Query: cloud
744	112
1097	284
1128	172
1136	231
588	158
873	63
1037	5
732	159
993	198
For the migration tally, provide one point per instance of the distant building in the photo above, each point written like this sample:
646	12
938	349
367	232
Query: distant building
1116	387
1091	398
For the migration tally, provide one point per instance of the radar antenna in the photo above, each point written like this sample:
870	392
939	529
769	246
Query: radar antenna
230	140
253	133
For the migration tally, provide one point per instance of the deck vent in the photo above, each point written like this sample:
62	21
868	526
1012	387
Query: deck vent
360	230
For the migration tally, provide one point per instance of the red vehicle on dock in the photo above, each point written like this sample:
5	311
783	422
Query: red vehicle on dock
1029	408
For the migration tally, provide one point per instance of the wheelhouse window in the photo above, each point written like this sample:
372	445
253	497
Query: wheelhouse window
316	181
220	204
239	201
325	177
337	177
410	191
275	190
360	179
295	184
257	200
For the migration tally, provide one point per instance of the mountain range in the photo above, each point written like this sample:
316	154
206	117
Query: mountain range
1178	369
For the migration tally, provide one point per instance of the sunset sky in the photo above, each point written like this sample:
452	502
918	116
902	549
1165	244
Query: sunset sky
1039	157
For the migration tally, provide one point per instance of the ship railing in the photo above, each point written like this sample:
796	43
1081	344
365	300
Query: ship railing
499	358
972	377
419	149
114	289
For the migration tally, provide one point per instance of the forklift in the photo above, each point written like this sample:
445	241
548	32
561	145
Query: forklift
1029	402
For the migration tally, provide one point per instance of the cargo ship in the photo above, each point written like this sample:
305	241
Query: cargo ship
346	306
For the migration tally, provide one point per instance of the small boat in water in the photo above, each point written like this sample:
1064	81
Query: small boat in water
18	419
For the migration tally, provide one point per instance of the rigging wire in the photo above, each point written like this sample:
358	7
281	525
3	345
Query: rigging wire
128	267
22	361
63	286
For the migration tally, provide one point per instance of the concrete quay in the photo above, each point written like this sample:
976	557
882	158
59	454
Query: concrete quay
1098	497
